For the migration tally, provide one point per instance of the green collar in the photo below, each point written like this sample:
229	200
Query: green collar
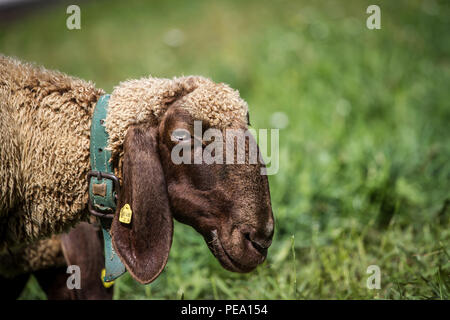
104	186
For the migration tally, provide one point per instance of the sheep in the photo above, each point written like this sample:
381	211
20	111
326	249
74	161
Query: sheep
45	119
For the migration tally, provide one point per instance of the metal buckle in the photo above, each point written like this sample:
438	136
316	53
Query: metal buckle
100	176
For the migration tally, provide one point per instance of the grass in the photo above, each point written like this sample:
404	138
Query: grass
364	173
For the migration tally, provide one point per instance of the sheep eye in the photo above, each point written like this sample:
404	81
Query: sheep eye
181	135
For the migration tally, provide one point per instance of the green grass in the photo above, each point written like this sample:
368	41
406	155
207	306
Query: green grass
364	161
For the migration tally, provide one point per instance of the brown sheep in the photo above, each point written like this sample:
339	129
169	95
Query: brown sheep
45	119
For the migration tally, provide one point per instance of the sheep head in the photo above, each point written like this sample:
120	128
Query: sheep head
227	203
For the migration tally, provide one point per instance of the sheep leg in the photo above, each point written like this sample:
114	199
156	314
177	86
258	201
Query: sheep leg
82	247
54	283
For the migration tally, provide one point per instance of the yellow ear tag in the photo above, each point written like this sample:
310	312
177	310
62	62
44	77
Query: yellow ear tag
106	284
125	214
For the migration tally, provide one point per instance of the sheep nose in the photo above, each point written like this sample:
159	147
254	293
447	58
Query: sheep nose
258	241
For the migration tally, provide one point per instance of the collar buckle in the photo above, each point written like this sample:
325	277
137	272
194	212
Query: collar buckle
95	178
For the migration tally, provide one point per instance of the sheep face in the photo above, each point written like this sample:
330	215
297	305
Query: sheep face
228	204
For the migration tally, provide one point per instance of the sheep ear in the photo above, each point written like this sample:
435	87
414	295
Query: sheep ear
143	245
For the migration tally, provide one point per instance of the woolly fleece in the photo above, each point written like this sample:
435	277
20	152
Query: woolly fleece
45	120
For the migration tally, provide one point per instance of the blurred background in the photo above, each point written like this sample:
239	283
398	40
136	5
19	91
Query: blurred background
363	114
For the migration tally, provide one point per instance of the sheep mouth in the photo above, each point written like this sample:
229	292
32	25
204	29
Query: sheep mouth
226	260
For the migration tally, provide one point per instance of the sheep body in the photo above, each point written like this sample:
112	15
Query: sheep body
45	119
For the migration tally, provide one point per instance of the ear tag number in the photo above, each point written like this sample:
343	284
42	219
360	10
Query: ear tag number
125	214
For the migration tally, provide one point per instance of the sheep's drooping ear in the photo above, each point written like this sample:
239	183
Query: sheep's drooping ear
144	243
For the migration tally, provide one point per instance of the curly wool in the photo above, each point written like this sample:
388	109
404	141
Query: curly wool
45	119
43	254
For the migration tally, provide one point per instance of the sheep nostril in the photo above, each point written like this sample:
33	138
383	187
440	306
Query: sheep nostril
260	246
